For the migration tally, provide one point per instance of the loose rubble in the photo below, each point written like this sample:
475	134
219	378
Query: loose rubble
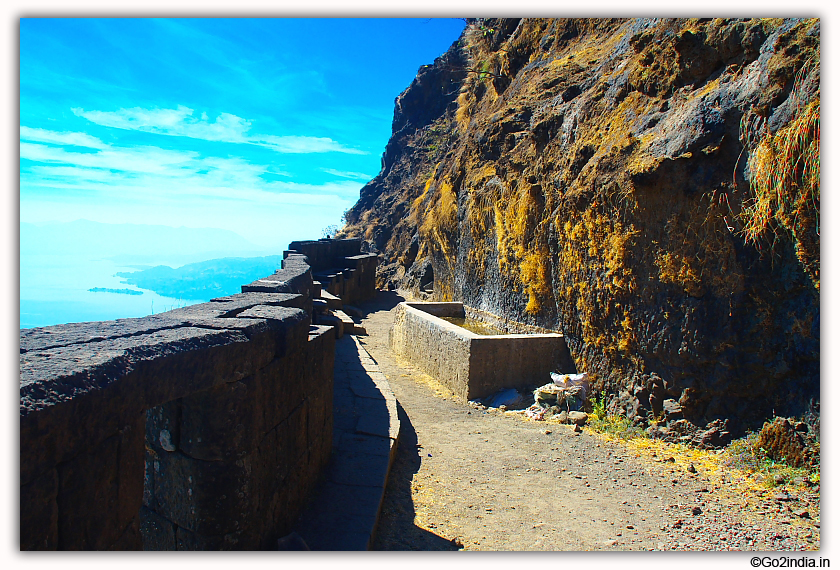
562	400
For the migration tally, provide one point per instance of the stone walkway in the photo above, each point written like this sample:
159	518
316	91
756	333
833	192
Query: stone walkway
344	510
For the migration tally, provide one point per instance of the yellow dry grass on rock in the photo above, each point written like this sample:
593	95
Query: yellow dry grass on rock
785	183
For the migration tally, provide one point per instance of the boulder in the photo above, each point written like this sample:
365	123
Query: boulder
578	418
672	410
782	442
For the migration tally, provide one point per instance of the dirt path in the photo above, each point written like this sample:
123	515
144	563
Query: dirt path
466	478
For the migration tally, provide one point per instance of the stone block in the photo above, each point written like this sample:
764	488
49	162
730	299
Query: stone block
188	540
39	513
282	388
158	532
356	468
45	338
131	539
72	397
280	315
222	423
374	417
331	300
101	491
234	304
163	426
186	373
334	322
321	357
211	498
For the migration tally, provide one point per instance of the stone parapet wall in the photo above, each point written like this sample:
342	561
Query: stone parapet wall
201	428
323	253
471	365
294	277
337	264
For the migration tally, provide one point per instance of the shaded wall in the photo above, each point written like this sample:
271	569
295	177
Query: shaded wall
204	427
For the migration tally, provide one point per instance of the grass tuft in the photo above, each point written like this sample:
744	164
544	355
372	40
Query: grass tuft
613	426
785	178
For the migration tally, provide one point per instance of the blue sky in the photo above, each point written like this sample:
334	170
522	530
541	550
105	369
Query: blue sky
267	127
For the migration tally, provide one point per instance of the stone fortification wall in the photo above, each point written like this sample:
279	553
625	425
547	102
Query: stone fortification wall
338	265
325	253
201	428
471	365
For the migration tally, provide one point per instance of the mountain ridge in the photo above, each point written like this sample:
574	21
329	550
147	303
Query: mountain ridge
612	179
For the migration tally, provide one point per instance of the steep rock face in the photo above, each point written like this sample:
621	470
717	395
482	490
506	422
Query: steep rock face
642	185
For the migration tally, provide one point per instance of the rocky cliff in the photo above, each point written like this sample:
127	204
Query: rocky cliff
648	187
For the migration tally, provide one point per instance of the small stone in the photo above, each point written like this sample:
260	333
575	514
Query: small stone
778	478
691	468
672	409
578	418
548	432
696	511
610	542
803	514
578	429
165	440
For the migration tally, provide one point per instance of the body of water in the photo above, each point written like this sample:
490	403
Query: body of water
54	289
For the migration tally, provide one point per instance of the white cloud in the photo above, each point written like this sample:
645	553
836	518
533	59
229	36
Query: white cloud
300	145
60	138
183	122
348	174
149	172
143	159
149	184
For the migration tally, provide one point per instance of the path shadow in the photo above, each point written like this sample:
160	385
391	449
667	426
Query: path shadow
383	301
396	529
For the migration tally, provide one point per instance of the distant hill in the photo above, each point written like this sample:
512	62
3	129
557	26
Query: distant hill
204	280
137	243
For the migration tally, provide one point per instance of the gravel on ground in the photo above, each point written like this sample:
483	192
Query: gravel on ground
470	478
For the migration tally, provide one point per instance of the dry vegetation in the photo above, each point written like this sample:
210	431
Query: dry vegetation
544	195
